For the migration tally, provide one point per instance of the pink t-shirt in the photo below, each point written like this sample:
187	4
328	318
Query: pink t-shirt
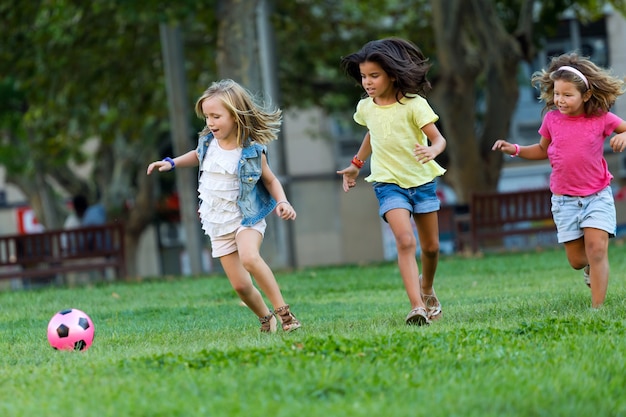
576	151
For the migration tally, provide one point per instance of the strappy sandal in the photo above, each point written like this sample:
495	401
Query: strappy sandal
268	323
289	321
432	304
417	317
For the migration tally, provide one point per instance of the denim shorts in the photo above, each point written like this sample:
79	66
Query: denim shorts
573	214
416	200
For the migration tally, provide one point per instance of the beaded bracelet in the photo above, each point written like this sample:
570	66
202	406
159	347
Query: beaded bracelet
171	161
357	162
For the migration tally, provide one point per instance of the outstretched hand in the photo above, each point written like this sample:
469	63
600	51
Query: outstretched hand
162	166
350	175
504	147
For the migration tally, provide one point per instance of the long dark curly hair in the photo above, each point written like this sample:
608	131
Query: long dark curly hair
401	59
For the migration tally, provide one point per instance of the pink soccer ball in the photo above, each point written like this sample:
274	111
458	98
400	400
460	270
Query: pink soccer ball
70	329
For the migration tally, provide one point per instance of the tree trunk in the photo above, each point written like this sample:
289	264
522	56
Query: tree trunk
472	45
240	40
237	47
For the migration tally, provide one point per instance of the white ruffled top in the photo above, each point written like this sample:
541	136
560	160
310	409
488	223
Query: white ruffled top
218	189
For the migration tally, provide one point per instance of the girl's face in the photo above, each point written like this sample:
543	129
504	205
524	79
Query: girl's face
377	83
219	120
568	98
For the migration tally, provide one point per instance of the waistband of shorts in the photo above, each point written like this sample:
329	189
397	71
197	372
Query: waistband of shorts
578	196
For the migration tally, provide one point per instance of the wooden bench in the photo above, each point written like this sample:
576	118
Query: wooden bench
56	253
494	216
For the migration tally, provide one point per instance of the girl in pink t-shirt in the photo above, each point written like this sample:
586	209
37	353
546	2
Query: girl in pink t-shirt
578	95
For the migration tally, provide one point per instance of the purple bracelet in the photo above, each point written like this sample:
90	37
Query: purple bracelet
171	161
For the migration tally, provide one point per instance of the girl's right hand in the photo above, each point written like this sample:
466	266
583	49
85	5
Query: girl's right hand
504	147
349	177
162	166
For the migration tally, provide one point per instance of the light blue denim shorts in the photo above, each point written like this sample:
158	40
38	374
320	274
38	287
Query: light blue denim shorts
416	200
573	214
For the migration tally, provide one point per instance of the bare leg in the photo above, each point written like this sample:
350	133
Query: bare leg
597	247
241	282
592	250
249	244
428	233
576	255
400	222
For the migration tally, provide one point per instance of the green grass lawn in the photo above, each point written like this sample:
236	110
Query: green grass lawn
518	338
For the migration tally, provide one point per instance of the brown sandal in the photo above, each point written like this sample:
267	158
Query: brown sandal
417	317
268	323
289	321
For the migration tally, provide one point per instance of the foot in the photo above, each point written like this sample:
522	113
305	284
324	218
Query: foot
586	276
268	323
288	320
417	317
433	306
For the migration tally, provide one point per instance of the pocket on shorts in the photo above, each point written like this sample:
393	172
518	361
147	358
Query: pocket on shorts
557	202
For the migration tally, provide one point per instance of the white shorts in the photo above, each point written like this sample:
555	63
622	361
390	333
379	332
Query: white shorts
226	244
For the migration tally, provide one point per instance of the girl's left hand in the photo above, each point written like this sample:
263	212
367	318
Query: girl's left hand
423	154
285	211
618	142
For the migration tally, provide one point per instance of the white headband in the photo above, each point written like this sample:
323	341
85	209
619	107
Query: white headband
575	71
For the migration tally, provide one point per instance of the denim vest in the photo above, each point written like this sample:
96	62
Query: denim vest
254	201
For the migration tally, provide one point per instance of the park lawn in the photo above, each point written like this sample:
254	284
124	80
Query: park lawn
518	338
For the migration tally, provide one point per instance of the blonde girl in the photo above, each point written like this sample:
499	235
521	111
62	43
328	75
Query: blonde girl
237	190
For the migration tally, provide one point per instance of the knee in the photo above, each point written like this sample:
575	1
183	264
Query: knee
406	241
596	251
431	249
243	288
250	261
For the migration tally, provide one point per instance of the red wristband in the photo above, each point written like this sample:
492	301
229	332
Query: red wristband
517	149
357	162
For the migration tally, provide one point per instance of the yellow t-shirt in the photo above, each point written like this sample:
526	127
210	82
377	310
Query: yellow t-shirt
394	130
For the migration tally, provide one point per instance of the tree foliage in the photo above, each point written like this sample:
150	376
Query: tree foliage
72	70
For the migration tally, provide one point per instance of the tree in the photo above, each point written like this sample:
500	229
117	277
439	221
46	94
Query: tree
475	47
480	46
473	43
76	70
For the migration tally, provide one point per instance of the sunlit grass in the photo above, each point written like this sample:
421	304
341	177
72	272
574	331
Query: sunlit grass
518	338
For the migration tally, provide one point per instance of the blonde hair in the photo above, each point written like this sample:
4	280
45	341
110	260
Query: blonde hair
603	86
253	120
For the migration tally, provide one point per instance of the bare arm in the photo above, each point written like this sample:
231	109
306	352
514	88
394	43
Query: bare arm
189	159
437	144
535	152
284	209
351	172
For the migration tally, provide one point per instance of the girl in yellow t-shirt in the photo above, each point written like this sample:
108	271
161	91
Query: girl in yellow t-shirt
403	141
